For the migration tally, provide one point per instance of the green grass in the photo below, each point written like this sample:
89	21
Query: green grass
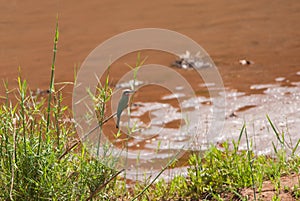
222	174
41	159
33	166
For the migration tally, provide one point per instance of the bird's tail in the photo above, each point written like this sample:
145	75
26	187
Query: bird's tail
118	122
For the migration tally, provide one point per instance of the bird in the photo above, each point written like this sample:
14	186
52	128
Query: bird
123	103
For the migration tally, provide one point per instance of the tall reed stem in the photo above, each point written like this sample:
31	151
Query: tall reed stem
51	88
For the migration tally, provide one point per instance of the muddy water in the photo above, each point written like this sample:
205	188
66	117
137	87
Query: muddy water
266	32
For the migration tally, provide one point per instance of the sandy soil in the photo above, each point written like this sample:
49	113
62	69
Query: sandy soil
289	185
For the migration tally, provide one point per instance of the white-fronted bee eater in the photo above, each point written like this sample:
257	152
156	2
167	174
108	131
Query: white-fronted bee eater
123	103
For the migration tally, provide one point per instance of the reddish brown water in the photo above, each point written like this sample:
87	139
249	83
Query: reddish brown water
264	31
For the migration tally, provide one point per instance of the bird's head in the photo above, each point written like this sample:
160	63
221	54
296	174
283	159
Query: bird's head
127	92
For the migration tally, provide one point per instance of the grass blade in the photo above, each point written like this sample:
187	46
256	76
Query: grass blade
250	164
275	131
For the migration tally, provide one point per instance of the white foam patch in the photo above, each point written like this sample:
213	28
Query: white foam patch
173	96
263	86
281	104
279	79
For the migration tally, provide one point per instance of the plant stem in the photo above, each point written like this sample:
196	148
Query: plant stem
156	177
52	76
250	164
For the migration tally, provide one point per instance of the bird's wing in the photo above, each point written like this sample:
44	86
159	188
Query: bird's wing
121	106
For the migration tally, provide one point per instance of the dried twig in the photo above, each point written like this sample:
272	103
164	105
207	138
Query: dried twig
78	141
103	185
